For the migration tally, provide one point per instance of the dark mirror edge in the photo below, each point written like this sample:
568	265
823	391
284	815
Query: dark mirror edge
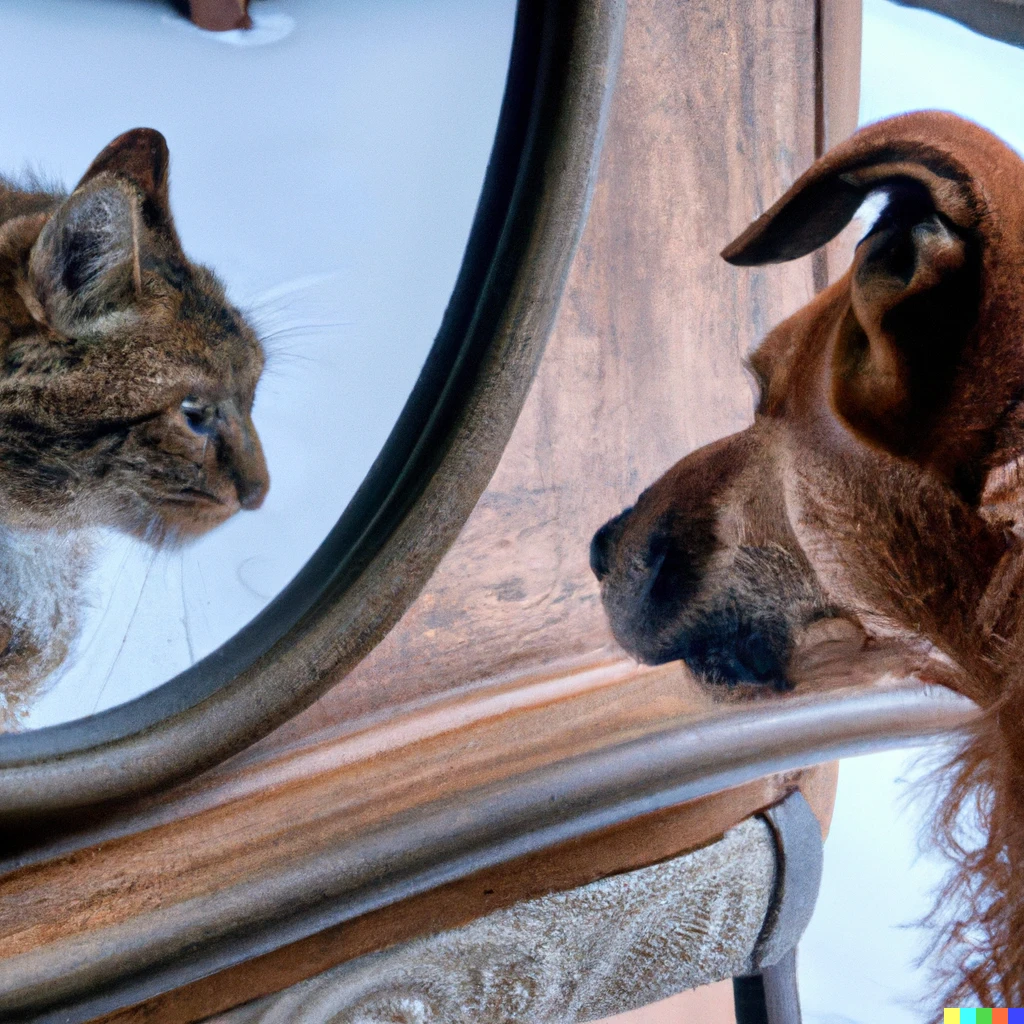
426	480
1002	20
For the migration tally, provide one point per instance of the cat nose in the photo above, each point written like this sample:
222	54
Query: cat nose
243	455
252	490
249	471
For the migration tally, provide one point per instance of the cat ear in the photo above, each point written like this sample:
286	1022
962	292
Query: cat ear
141	157
85	262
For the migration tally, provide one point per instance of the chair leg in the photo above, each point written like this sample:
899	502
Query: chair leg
770	997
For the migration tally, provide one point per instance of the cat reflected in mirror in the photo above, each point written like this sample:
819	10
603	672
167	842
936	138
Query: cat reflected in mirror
127	381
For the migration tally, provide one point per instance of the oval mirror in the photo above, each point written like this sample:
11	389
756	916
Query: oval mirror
179	453
326	165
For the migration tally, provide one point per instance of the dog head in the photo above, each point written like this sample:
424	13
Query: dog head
880	482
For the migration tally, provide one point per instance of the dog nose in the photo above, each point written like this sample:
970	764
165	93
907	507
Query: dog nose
603	542
599	551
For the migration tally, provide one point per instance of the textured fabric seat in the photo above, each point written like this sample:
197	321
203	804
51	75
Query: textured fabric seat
594	951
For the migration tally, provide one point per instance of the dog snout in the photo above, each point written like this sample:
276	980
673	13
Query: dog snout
705	567
675	561
603	543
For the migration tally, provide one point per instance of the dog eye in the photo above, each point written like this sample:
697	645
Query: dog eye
198	416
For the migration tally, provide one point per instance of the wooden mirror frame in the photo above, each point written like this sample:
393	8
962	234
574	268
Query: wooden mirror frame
426	479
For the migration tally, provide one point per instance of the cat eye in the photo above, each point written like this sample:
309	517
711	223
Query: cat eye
198	415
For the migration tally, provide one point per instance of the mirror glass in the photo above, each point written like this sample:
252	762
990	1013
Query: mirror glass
326	166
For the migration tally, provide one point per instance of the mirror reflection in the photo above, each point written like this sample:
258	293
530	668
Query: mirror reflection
210	323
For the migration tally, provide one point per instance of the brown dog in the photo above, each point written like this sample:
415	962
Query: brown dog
880	485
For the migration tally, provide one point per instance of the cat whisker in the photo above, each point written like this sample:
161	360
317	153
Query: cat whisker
206	593
300	284
245	583
184	612
271	340
127	632
292	355
302	327
98	631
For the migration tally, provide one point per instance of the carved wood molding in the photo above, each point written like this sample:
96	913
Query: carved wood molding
140	906
636	843
607	947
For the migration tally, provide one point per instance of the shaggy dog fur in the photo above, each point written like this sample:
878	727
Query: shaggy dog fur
880	486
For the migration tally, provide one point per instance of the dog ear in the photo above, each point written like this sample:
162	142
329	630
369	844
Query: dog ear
896	154
914	286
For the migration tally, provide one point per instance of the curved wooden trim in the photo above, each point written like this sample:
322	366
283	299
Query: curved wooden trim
633	845
426	480
631	769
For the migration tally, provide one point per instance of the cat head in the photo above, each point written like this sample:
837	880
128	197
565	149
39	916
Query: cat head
127	379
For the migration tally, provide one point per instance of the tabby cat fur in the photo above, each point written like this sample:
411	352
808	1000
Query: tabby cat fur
127	381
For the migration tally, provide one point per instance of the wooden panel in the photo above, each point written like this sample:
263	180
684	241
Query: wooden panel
841	43
840	26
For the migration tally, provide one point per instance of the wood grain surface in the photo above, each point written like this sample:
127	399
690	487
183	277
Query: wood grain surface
840	27
712	119
647	840
496	744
